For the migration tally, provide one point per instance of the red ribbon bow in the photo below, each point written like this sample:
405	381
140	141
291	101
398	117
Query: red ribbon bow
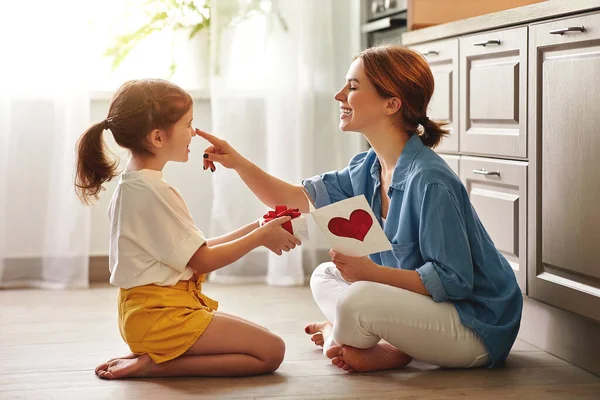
283	211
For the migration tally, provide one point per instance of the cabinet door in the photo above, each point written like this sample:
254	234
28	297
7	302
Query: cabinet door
565	138
452	161
493	93
443	60
498	192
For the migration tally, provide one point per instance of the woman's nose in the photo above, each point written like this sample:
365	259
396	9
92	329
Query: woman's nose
340	96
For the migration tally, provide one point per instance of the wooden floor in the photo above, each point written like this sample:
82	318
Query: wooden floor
50	343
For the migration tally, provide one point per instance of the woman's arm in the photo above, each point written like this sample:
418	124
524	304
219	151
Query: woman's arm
270	190
363	269
400	278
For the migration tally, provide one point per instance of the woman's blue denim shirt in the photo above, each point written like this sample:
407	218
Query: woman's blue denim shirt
435	231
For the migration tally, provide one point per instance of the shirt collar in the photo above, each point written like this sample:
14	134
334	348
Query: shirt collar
403	165
145	173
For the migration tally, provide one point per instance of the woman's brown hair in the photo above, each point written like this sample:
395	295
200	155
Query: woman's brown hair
399	72
137	108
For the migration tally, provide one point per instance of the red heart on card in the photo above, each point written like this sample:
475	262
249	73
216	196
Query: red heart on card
356	227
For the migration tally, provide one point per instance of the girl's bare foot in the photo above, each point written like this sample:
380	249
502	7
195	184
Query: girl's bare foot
104	366
120	368
320	331
380	357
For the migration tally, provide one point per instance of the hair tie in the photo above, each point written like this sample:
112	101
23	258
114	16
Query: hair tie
105	124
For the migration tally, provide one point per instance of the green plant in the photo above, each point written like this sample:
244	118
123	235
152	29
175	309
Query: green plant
192	16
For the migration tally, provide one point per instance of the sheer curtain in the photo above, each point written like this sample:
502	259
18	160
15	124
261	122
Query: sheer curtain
44	107
272	85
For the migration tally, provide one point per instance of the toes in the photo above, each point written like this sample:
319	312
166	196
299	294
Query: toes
104	375
311	329
346	367
101	367
334	351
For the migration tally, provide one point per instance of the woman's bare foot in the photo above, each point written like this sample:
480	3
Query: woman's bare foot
119	368
378	358
320	331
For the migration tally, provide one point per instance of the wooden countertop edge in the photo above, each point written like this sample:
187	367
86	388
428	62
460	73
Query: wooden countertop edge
516	16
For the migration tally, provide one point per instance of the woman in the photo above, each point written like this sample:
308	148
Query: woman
443	294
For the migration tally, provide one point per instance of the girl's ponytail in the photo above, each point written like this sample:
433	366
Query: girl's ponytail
94	165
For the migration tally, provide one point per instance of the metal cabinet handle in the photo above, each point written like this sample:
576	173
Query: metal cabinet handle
431	53
562	31
485	172
493	41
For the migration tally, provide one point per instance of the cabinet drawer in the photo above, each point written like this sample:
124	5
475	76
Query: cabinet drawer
498	192
442	57
493	93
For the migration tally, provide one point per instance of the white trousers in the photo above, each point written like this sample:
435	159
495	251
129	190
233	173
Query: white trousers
363	313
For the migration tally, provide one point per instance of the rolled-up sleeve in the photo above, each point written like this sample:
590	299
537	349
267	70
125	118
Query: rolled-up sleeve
334	186
447	273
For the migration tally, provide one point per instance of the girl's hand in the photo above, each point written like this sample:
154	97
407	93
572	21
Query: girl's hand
219	151
275	238
354	269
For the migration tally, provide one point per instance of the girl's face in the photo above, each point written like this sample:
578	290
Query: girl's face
176	147
361	107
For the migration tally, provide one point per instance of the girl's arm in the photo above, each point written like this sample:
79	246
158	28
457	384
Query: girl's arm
228	237
271	235
208	258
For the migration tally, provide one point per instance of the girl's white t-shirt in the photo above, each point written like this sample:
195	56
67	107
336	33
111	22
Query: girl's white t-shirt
153	235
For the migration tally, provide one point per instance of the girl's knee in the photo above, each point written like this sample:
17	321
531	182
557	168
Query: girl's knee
275	354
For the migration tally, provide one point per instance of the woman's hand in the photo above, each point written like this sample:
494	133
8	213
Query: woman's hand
275	238
219	151
354	269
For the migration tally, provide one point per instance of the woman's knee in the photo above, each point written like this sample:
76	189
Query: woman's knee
319	275
356	300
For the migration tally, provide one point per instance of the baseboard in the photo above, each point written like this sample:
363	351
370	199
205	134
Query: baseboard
99	267
99	272
566	335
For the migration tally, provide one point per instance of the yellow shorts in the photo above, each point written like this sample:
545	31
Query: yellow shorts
164	321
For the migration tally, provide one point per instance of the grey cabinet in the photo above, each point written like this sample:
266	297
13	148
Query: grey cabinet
442	57
564	122
493	93
498	192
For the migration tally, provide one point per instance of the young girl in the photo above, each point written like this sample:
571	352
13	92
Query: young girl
159	258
